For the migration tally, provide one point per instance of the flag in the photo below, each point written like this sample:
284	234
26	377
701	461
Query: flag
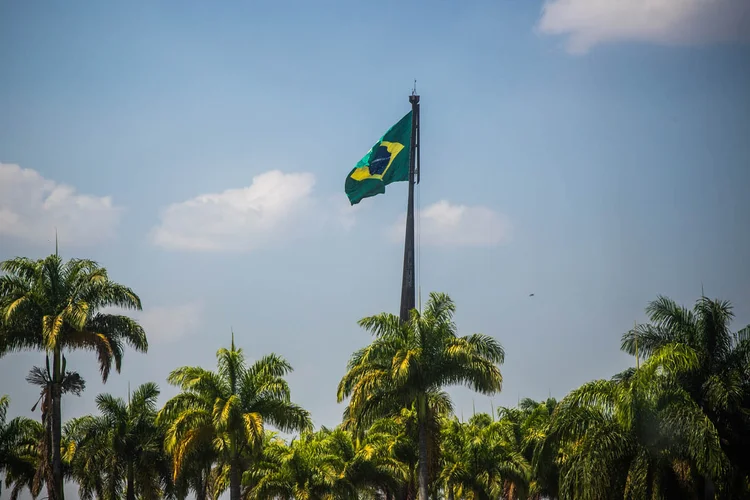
387	161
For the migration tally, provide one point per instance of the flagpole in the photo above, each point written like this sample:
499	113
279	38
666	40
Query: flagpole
637	360
408	291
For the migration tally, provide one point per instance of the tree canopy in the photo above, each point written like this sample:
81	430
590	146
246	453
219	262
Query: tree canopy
676	425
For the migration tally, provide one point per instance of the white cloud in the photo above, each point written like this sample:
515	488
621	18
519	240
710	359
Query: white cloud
670	22
343	212
31	207
239	219
445	224
166	323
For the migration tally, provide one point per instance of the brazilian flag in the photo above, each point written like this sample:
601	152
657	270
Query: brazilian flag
387	161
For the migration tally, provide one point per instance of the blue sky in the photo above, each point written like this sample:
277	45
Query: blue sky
593	153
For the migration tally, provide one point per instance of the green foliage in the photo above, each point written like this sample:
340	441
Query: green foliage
49	304
19	452
482	459
409	363
719	384
223	413
55	306
677	426
639	436
120	450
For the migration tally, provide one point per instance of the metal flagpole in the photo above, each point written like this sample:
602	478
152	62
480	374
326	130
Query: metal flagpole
408	292
635	331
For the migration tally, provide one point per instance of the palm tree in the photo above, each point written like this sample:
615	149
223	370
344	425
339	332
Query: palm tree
408	361
227	410
301	471
720	384
361	465
264	458
55	306
397	439
71	383
525	428
19	439
481	461
197	474
328	464
121	449
453	439
636	436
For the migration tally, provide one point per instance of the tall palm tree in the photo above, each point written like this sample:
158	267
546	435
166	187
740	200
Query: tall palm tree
636	436
720	384
55	306
410	360
19	440
228	409
121	449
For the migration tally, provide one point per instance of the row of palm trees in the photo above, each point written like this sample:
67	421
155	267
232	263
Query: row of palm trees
676	426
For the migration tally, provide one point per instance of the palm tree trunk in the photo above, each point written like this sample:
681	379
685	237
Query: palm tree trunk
409	493
201	492
57	425
130	491
49	480
234	479
423	477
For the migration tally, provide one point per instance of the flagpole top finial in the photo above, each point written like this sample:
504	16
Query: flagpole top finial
414	97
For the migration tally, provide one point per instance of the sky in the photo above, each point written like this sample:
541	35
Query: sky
591	152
